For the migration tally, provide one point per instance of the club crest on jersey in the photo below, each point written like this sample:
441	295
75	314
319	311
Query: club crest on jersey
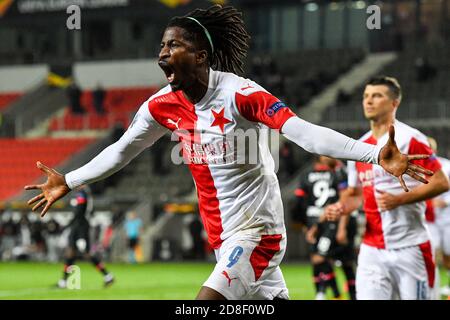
219	119
274	108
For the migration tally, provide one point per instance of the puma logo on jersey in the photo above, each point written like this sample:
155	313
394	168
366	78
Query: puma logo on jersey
170	121
247	87
228	278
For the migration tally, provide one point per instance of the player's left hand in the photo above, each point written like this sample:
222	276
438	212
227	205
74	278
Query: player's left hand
387	201
399	164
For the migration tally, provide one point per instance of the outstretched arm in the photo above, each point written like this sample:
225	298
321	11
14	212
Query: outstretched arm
324	141
142	133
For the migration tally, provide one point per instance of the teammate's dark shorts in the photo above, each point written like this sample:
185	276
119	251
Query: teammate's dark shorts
79	239
346	253
133	242
327	246
326	239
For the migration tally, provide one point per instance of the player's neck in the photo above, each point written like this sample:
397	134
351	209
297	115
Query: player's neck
380	127
198	89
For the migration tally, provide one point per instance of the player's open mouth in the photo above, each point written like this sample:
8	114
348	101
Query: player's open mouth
170	74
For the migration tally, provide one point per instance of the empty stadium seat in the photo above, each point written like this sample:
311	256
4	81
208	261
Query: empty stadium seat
8	98
18	159
119	105
421	99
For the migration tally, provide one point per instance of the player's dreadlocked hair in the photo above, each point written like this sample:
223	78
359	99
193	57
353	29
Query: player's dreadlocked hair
220	31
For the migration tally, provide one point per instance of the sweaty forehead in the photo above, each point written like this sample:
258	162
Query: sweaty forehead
175	33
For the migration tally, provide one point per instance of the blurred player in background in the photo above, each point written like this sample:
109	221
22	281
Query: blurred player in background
133	228
395	259
319	186
204	105
438	219
79	237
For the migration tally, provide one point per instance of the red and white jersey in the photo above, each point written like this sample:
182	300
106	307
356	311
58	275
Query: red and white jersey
233	196
443	214
403	226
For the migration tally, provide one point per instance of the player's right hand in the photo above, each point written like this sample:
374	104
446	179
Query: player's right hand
334	211
52	190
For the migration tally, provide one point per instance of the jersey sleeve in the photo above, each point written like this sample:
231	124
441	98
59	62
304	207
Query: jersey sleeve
257	105
352	175
142	133
418	147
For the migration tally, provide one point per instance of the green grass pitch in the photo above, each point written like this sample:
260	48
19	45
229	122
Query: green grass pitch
151	281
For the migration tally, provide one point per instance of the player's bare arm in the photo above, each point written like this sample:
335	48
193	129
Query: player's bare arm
438	184
51	191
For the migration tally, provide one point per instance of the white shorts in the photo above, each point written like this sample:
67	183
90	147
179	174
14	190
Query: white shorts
406	273
441	230
248	267
435	235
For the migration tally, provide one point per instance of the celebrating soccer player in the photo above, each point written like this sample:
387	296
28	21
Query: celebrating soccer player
204	103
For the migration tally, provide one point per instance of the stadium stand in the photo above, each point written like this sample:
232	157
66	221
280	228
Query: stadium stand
299	76
119	105
7	98
18	160
424	96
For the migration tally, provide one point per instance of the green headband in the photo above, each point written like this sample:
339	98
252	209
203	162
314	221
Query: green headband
206	32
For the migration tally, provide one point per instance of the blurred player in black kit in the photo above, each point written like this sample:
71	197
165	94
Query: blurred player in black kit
79	238
320	185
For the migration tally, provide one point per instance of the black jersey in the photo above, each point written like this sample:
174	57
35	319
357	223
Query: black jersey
79	237
319	186
82	203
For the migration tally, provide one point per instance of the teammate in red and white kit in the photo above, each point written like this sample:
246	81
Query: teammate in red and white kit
205	105
395	258
438	222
